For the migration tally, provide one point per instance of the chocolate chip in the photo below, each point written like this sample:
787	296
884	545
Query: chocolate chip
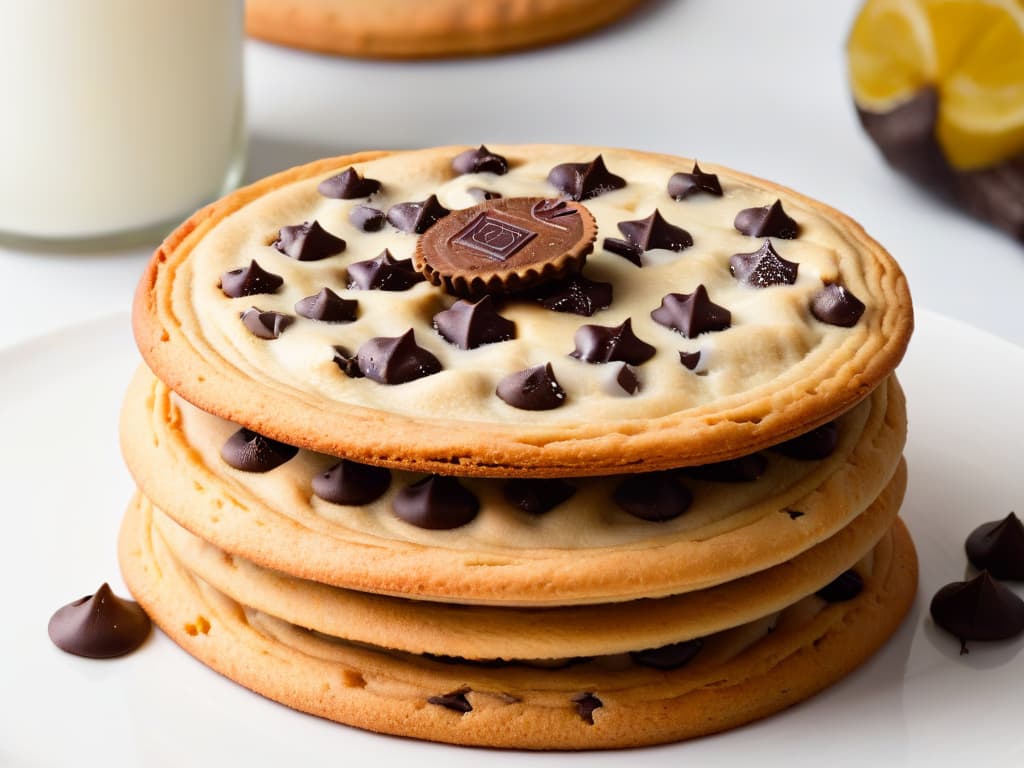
627	380
248	451
627	250
455	701
328	307
586	703
745	469
582	181
366	218
768	221
249	281
835	305
762	268
416	217
352	484
347	362
603	344
577	295
482	195
979	609
396	359
383	273
468	325
793	513
480	161
682	185
690	360
654	232
669	657
533	389
844	587
653	496
348	185
437	502
308	242
692	313
265	325
99	626
820	443
537	496
998	547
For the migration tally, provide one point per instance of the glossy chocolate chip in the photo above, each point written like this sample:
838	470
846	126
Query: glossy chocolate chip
455	701
347	362
768	221
692	313
654	232
533	389
979	609
998	547
604	344
631	252
682	185
689	360
820	443
99	626
308	242
328	307
846	586
437	502
586	704
348	185
627	380
745	469
653	496
482	195
248	451
577	295
265	324
480	160
352	484
469	325
383	273
396	359
366	217
762	268
668	657
537	496
835	305
582	181
416	217
249	281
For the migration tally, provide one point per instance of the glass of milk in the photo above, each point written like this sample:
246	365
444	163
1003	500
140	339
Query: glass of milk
118	118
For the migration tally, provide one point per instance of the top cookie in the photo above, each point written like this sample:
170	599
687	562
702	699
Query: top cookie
711	315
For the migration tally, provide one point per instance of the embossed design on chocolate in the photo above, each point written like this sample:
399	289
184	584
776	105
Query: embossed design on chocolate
482	195
351	483
998	547
537	495
437	502
533	389
979	609
689	360
653	496
763	267
455	701
627	380
582	181
835	305
586	704
308	242
383	273
265	324
366	218
328	307
248	451
480	160
692	313
577	295
99	626
745	469
468	325
416	217
682	185
669	657
819	443
347	362
348	185
654	232
249	281
396	360
846	586
493	238
604	344
768	221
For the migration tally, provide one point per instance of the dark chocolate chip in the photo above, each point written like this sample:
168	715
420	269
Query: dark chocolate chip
383	273
744	469
468	325
99	626
308	242
586	703
690	360
455	701
979	609
366	218
481	195
347	362
537	496
582	181
576	294
417	217
692	313
352	484
627	250
348	185
249	281
763	267
654	232
669	657
820	443
653	496
835	305
265	325
768	221
998	547
248	451
480	161
793	513
484	663
604	344
396	359
436	502
682	185
627	379
328	307
844	587
533	389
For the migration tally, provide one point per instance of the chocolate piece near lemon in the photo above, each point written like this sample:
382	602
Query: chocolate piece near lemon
99	626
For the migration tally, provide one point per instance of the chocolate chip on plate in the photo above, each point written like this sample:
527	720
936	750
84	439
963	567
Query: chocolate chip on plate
979	609
99	626
998	547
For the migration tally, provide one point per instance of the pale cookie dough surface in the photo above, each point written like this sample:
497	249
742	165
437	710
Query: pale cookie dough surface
586	550
738	676
776	372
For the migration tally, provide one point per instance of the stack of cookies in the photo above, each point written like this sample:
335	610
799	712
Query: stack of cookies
546	447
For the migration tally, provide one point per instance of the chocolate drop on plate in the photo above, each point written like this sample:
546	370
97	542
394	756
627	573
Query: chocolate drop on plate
582	181
692	313
769	221
979	609
604	344
468	325
308	242
351	483
416	217
366	218
682	185
668	657
265	324
846	586
820	443
835	305
762	268
248	451
328	307
537	495
654	232
396	359
348	185
384	273
436	502
249	281
532	389
480	160
653	496
99	626
998	547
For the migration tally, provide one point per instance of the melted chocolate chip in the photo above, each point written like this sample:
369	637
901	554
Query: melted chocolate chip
654	232
768	221
577	295
352	484
328	307
843	588
998	547
692	313
468	325
366	218
627	380
793	513
627	250
582	181
480	160
669	657
586	703
265	325
603	344
99	626
820	443
249	281
689	360
348	185
250	452
437	502
979	609
533	389
416	217
762	268
347	362
835	305
745	469
308	242
383	273
537	496
482	195
396	359
653	496
455	701
682	185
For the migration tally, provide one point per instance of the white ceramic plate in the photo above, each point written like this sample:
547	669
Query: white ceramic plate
916	703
